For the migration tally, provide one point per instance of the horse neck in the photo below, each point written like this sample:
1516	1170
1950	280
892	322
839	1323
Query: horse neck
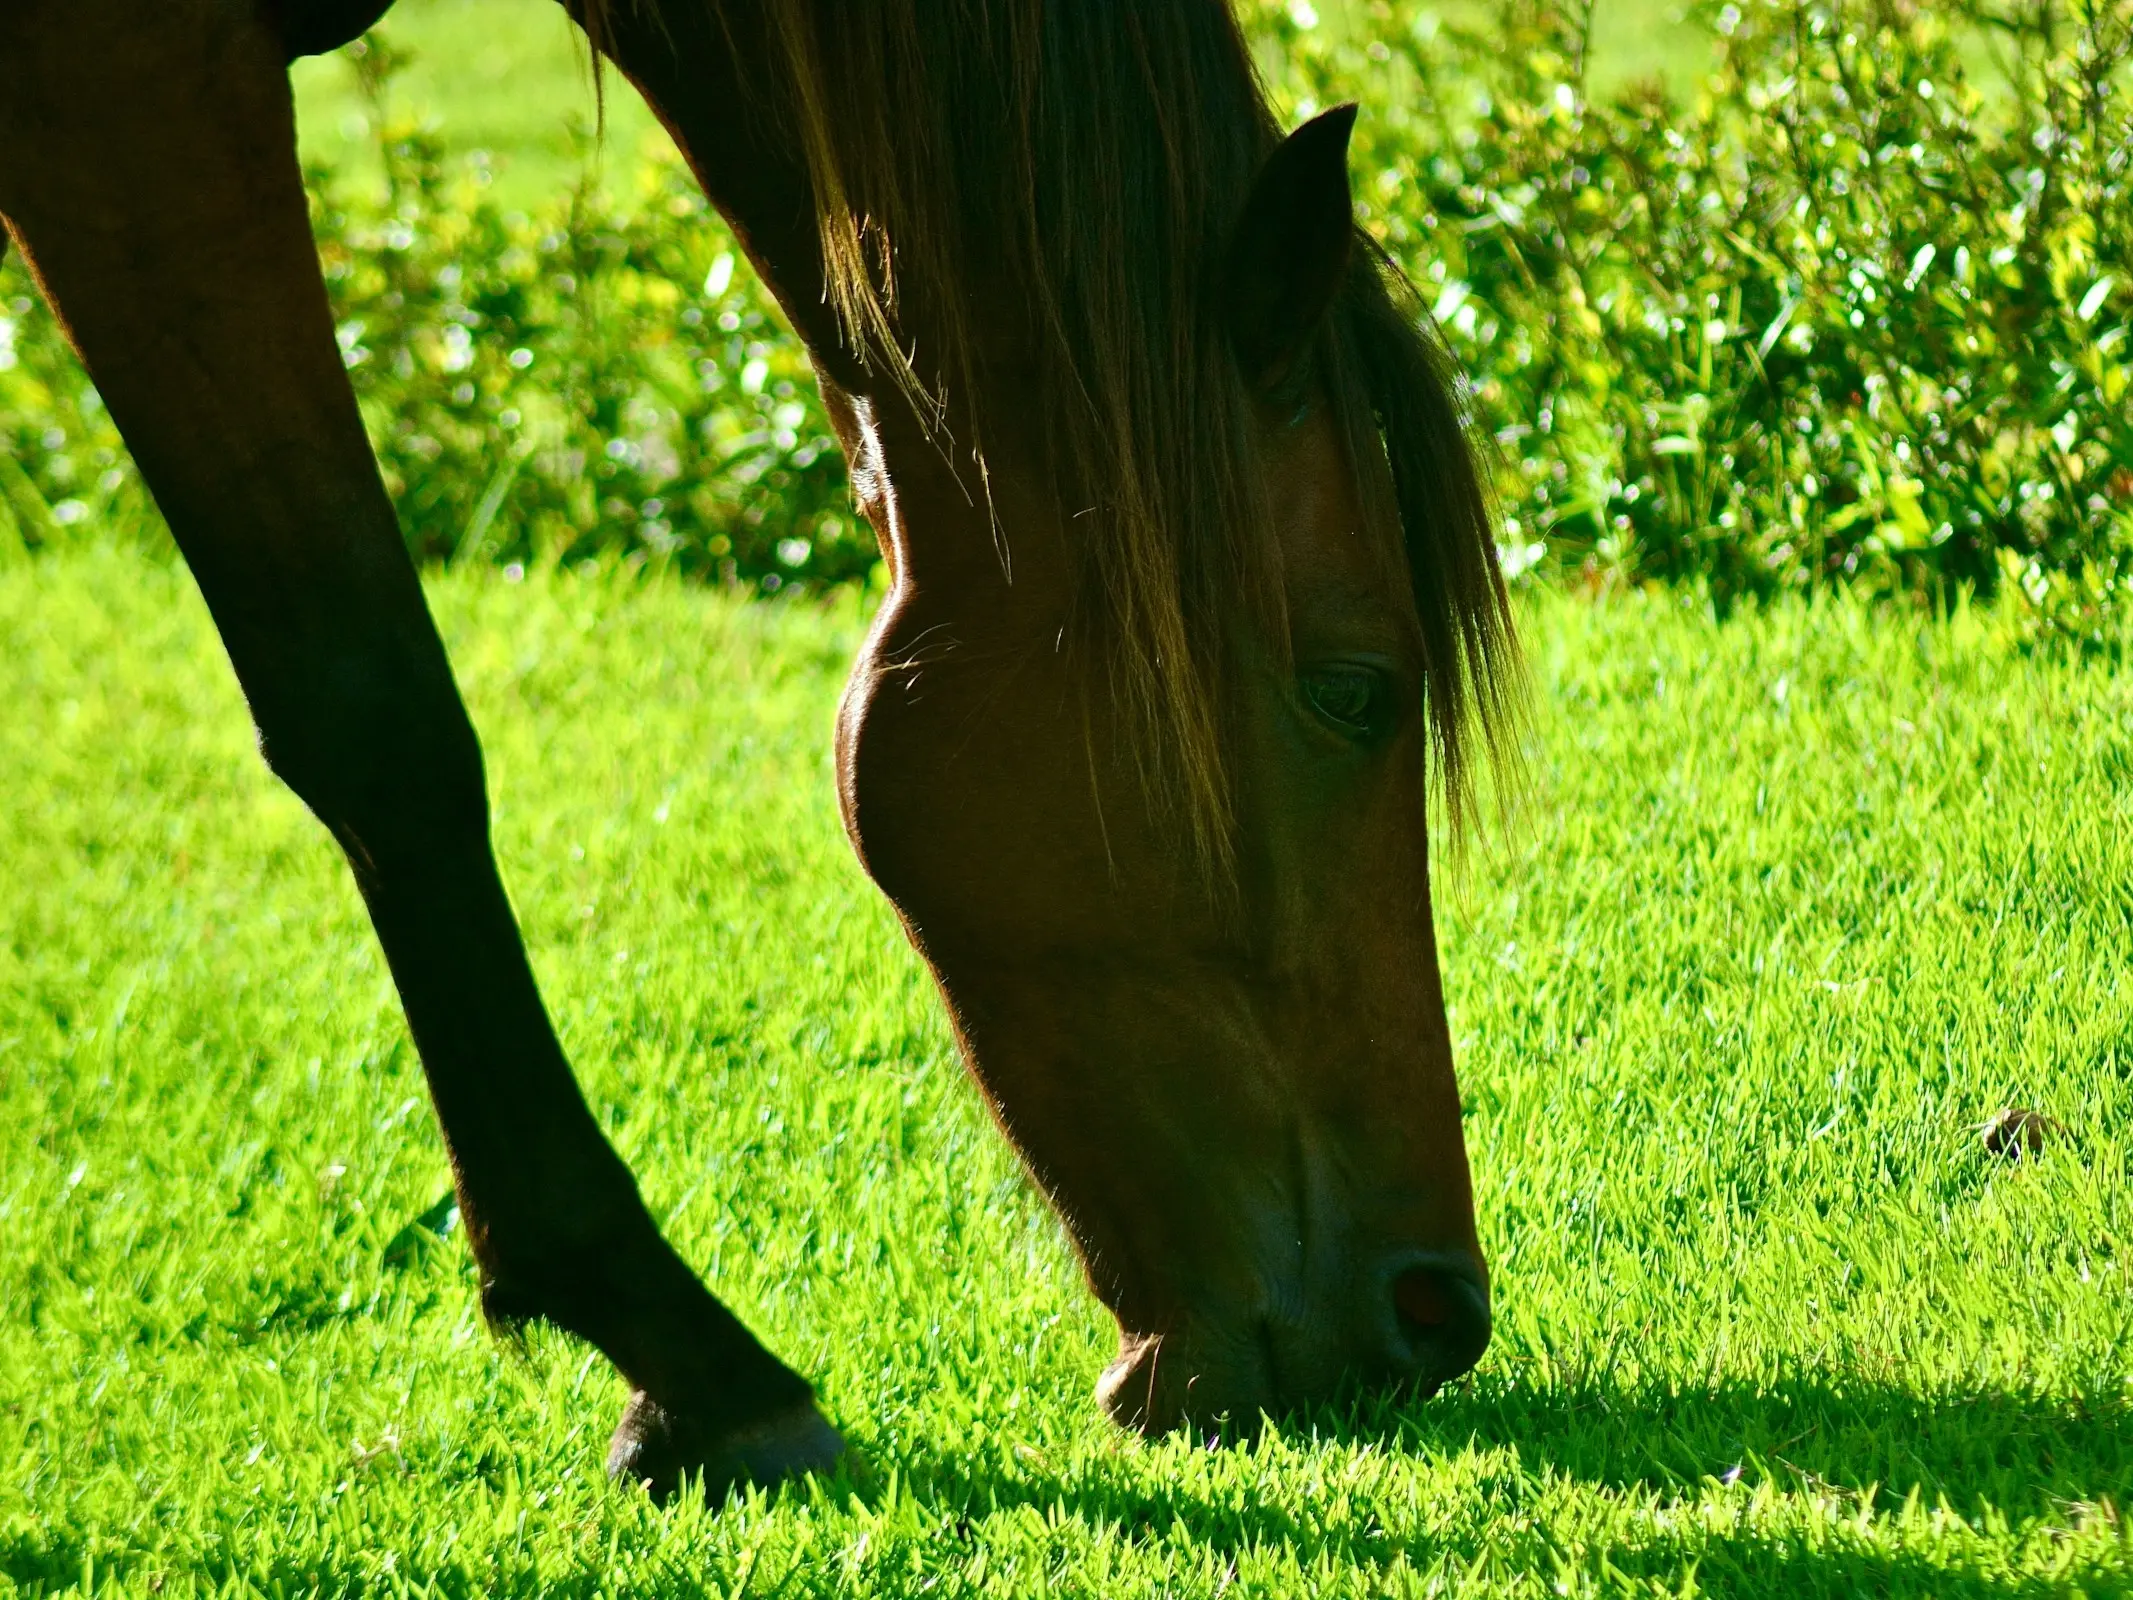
989	534
987	542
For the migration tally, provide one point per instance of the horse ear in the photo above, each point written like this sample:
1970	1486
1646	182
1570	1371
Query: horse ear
1290	249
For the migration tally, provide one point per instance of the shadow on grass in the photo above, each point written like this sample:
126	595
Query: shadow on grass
2001	1461
2028	1455
2013	1465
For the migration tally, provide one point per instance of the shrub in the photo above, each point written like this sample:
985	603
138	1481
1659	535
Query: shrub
1845	316
1854	312
604	378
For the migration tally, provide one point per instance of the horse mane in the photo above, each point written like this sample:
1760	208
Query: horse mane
1088	160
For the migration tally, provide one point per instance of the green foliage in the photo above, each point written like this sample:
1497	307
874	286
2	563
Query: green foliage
603	380
1801	900
1855	311
61	461
1845	315
598	378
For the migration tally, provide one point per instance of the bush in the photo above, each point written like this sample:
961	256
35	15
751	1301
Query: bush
1853	313
1847	316
601	379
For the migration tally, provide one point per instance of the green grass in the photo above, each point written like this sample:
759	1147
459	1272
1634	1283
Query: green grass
512	77
1797	901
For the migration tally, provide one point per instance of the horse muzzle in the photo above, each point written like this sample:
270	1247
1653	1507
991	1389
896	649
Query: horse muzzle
1412	1319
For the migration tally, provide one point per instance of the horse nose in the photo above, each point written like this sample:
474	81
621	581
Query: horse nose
1434	1316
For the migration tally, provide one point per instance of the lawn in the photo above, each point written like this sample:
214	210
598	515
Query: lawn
1795	902
512	77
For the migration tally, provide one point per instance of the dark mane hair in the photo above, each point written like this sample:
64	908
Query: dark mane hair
1089	159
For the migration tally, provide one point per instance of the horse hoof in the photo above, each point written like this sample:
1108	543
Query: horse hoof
654	1447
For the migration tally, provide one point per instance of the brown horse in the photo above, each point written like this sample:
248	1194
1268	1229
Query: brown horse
1192	582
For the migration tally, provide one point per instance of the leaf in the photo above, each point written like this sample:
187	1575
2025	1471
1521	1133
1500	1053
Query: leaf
415	1242
22	506
1776	330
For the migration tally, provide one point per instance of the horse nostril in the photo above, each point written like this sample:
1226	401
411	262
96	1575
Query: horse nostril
1418	1295
1440	1318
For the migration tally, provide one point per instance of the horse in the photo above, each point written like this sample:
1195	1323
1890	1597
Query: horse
1193	605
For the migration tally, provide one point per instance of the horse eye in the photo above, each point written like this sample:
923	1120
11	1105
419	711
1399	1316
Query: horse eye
1348	697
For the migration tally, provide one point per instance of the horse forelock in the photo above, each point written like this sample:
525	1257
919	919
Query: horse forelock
1094	157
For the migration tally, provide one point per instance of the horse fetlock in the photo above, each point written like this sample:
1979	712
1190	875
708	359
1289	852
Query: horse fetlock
636	1301
708	1404
594	1283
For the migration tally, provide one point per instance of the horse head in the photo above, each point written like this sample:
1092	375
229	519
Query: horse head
1189	952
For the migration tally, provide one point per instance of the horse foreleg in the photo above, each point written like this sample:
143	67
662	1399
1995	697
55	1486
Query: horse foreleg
148	173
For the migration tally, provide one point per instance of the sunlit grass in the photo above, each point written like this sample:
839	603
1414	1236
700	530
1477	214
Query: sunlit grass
512	77
1796	903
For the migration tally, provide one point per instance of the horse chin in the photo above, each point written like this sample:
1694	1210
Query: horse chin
1224	1371
1139	1390
1160	1383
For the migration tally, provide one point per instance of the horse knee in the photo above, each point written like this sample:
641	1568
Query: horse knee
386	758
